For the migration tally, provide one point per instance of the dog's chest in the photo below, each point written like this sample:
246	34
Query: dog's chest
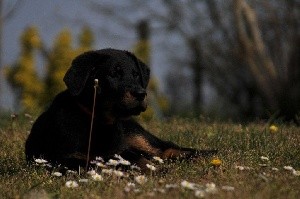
107	139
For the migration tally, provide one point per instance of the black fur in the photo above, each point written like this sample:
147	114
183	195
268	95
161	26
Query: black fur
61	133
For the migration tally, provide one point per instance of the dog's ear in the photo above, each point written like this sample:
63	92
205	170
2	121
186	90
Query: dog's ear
145	70
81	68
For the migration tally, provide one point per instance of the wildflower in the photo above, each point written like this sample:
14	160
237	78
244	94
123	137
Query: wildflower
83	180
158	159
199	194
263	165
216	162
171	186
57	174
93	162
71	171
72	184
99	159
275	169
130	184
141	179
97	177
100	164
107	171
134	167
263	177
124	162
118	173
263	158
211	188
228	188
289	168
137	190
273	128
118	157
151	167
188	185
241	168
129	187
92	172
112	162
296	173
40	161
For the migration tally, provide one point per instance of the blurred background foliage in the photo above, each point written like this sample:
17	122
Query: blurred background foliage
236	59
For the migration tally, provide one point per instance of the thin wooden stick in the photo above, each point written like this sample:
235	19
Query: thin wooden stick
91	127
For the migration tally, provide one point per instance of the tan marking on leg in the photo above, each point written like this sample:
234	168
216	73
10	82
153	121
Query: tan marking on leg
172	153
142	144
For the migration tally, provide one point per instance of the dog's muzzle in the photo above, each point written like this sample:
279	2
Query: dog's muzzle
139	95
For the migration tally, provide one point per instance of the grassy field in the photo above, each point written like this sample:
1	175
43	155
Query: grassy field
254	162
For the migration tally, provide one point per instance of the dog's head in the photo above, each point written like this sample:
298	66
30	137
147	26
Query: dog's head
122	77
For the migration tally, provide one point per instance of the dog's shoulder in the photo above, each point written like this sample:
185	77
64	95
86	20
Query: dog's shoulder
63	100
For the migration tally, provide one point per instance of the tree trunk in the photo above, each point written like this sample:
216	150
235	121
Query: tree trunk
197	68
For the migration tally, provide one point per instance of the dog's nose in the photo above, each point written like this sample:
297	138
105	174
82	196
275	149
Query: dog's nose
140	94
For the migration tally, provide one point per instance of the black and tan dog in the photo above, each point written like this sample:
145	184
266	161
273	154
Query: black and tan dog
61	134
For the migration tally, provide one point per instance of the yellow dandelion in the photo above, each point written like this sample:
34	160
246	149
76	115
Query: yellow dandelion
273	128
216	162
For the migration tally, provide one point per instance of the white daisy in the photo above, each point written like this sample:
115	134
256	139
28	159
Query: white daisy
141	179
158	159
72	184
83	180
199	194
241	168
171	186
228	188
211	188
40	161
100	164
264	158
99	159
124	162
296	173
57	174
134	167
118	157
118	173
112	162
129	187
188	185
97	177
92	172
275	169
151	167
289	168
107	171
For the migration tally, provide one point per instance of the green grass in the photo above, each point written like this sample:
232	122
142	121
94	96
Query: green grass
239	145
